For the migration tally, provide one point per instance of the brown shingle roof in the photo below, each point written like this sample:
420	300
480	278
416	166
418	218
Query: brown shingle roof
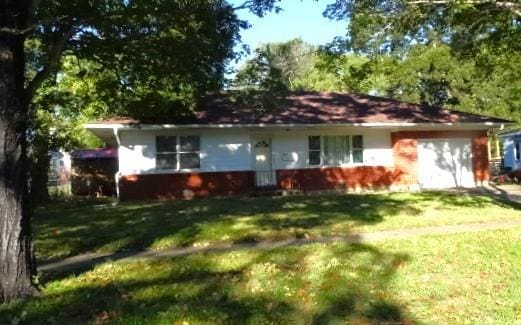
328	108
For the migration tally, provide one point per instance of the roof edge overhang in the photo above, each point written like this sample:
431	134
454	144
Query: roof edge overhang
481	125
509	133
110	132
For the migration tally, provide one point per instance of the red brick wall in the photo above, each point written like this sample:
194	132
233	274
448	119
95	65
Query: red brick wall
405	153
337	178
184	185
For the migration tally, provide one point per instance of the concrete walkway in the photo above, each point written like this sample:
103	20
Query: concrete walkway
89	260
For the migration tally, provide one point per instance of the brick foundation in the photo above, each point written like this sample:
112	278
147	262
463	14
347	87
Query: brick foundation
185	185
353	178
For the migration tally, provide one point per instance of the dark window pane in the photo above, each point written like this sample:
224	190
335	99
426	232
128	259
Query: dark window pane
358	142
358	156
314	157
166	161
166	144
189	160
518	154
189	143
314	143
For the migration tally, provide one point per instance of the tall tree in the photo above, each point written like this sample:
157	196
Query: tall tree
150	46
384	25
16	262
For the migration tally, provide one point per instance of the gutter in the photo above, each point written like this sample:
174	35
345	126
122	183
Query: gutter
289	125
117	176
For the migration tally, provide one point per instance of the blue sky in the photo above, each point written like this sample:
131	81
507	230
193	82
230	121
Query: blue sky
299	18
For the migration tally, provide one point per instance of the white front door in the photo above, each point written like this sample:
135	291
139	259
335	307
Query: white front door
264	173
445	163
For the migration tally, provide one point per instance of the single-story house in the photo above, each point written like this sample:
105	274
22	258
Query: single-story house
310	141
511	150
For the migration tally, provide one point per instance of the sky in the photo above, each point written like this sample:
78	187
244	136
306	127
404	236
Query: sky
299	18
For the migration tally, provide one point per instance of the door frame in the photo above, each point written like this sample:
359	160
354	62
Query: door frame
263	178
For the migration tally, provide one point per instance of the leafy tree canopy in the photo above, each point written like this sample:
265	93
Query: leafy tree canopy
156	56
382	25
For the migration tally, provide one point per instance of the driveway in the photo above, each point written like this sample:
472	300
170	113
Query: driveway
510	192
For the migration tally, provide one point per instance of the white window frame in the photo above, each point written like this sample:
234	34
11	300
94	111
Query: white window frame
322	155
178	153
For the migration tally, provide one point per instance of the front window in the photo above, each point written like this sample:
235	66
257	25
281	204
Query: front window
335	150
517	152
314	150
177	152
358	149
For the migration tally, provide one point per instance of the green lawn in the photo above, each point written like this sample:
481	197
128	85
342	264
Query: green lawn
443	279
71	228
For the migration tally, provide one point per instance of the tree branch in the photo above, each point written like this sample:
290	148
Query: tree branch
244	5
511	6
52	62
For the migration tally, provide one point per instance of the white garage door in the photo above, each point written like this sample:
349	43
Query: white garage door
445	163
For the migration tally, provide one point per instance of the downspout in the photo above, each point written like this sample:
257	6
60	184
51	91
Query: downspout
117	176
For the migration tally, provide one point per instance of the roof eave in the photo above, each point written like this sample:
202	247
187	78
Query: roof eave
95	126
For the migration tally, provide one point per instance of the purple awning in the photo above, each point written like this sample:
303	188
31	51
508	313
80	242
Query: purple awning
95	153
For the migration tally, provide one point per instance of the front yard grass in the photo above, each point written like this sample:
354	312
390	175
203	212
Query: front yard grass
71	228
442	279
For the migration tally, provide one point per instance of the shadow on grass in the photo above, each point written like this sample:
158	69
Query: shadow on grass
70	228
318	284
477	197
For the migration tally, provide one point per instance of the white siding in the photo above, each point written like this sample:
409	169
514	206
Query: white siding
137	152
225	150
230	149
290	148
378	150
221	150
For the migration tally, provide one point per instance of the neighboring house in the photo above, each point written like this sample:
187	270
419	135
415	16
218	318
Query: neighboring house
311	141
59	168
93	172
511	150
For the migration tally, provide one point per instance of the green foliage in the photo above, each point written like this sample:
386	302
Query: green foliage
275	69
150	59
296	65
165	53
487	84
71	228
382	25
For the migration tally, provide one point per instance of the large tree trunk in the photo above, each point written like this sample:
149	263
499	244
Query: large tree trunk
39	170
16	261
